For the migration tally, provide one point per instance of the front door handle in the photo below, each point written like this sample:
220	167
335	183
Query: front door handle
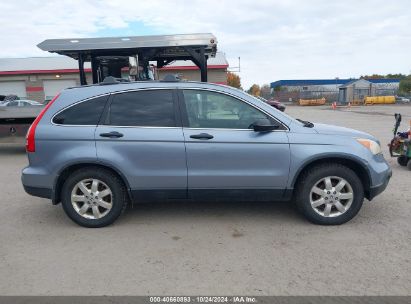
113	134
202	136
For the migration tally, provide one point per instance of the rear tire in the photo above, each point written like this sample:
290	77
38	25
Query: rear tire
93	197
402	160
332	205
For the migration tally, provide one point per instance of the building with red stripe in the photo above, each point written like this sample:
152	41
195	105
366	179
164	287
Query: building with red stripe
41	78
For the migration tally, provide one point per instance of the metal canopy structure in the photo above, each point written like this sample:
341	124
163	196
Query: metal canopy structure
109	55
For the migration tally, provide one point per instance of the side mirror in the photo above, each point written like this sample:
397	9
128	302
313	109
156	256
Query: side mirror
264	125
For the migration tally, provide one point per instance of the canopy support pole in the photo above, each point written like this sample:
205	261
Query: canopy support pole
200	60
94	69
83	80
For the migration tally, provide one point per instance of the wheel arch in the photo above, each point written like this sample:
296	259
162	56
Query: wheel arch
357	166
68	169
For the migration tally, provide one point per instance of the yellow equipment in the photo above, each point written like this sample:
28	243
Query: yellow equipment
379	100
312	102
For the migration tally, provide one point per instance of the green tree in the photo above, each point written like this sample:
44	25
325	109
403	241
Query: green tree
233	80
405	85
265	91
399	76
254	90
373	76
378	76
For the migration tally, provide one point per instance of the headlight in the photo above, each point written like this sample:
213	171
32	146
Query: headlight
371	145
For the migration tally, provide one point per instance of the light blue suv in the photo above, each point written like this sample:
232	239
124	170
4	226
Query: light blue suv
96	148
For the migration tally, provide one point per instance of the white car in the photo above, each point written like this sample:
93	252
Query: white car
21	103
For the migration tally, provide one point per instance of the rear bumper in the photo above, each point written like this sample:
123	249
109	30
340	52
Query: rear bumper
40	192
375	190
36	182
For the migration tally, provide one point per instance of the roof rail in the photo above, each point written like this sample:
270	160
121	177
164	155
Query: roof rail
113	80
171	78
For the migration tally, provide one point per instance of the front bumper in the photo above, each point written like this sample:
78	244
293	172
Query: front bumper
375	190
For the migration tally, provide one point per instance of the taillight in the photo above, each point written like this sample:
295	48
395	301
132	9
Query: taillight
30	138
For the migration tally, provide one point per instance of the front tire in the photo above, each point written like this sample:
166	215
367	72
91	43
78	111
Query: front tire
93	197
329	194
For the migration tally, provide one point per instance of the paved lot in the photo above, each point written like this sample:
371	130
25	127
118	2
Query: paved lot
219	248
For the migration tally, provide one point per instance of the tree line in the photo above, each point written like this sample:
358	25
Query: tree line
265	91
405	81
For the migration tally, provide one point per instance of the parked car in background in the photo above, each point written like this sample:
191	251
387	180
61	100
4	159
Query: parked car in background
21	103
96	148
403	99
10	97
274	103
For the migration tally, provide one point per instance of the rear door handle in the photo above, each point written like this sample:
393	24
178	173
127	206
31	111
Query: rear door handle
113	134
202	136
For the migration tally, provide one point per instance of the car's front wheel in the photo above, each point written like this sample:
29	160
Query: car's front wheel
329	194
93	197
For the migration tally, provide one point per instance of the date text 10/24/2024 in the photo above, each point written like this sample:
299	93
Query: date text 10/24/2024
203	299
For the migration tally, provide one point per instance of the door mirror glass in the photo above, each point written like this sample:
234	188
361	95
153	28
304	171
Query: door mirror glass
264	125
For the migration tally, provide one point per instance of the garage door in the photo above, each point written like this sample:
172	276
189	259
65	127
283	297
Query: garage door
53	87
13	87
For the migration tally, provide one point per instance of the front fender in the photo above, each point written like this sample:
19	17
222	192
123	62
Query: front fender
326	157
307	149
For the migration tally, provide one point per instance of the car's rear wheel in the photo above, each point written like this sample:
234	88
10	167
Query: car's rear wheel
93	197
329	194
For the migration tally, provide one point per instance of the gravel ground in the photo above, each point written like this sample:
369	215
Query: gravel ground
186	248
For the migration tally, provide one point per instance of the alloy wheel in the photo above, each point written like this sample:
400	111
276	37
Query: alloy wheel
91	198
331	196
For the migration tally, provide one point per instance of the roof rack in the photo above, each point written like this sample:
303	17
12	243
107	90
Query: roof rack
171	78
113	80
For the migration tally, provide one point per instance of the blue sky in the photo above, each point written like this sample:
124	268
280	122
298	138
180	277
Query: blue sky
276	39
135	28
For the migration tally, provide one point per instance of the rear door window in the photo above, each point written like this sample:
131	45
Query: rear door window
84	113
145	108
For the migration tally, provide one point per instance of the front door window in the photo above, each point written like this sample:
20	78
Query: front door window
207	109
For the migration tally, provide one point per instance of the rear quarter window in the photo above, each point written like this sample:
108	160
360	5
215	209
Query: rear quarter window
84	113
